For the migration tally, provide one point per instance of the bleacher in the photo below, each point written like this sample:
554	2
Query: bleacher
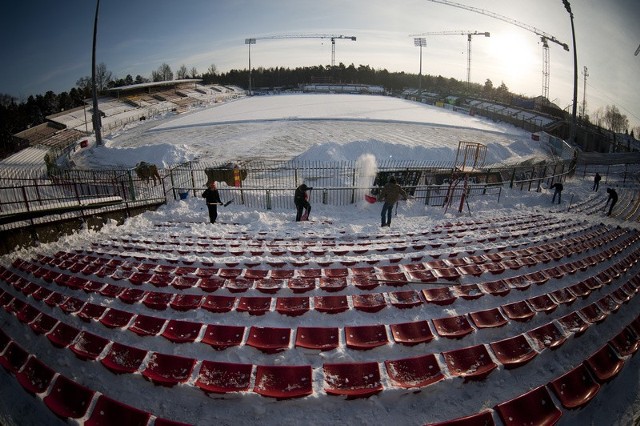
532	288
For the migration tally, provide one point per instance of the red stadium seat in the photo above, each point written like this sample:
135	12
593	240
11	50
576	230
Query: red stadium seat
269	339
223	377
72	305
547	336
186	302
575	388
68	399
239	285
319	338
371	302
14	357
256	274
496	288
454	327
488	318
483	418
416	372
513	351
91	311
283	381
35	377
282	274
563	296
27	314
593	313
88	346
605	363
181	331
518	311
43	324
292	306
332	284
534	407
62	335
330	304
221	337
115	318
269	285
131	295
211	284
574	323
218	303
411	333
364	337
439	295
353	380
168	370
108	411
301	285
145	325
405	299
123	359
254	305
470	363
626	342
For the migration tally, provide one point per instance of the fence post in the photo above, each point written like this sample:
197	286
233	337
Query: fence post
268	196
324	196
132	192
513	176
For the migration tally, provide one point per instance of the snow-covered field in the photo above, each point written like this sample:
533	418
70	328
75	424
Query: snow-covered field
337	127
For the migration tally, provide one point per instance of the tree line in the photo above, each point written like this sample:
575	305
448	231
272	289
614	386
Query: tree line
16	116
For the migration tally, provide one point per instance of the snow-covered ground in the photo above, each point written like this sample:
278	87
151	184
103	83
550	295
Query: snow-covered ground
339	127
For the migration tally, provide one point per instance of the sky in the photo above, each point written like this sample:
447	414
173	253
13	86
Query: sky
48	44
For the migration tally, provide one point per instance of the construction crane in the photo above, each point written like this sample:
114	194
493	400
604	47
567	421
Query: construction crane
637	51
544	37
469	34
332	37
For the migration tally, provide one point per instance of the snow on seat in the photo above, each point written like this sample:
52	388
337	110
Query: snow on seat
182	282
221	337
131	295
318	338
160	280
68	399
336	272
483	418
353	380
168	370
470	363
139	278
269	339
218	304
496	288
229	272
330	304
547	336
35	377
605	364
331	284
405	299
365	337
372	302
518	311
626	342
574	323
123	359
513	351
14	357
411	333
62	335
223	377
301	285
439	295
111	290
186	302
239	285
282	274
563	296
292	306
115	318
145	325
157	300
283	381
488	318
416	372
467	291
575	388
542	303
72	305
181	331
269	285
255	274
108	411
534	407
88	346
254	305
454	327
27	314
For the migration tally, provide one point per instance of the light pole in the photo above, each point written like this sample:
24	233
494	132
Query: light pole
97	124
572	133
420	42
249	41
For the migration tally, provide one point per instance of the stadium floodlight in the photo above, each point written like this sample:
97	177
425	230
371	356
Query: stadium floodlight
420	42
249	42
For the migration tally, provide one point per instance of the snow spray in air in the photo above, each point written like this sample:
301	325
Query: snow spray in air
366	170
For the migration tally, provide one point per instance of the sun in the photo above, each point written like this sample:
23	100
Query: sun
514	55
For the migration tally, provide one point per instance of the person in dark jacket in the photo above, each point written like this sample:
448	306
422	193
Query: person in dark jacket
212	197
613	197
390	194
301	200
596	181
557	187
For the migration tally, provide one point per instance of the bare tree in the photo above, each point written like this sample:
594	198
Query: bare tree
103	77
194	72
615	121
163	73
212	69
182	72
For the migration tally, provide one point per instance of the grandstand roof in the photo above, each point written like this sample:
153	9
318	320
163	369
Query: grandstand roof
154	84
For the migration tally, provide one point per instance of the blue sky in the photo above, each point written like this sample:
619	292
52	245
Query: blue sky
47	45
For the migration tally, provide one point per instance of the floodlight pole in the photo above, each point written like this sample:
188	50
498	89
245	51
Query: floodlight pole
249	41
420	42
96	112
572	133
